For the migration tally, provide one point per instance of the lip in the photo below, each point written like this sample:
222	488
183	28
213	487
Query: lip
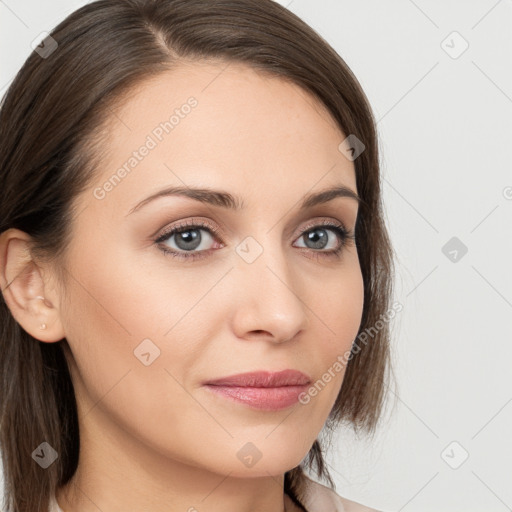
263	379
262	390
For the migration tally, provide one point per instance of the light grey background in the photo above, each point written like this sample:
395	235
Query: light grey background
445	127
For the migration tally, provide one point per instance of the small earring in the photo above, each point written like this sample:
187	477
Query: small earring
42	326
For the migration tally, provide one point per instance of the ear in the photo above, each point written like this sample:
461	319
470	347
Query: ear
27	288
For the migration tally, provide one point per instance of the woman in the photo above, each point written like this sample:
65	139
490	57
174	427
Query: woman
192	249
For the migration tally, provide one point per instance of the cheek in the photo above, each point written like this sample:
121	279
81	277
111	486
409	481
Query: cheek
120	316
339	307
104	327
339	311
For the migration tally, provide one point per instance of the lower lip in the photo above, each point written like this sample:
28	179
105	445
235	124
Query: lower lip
269	399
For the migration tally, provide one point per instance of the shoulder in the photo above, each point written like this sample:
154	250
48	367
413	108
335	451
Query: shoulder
320	498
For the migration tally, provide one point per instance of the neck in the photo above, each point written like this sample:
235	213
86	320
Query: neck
118	474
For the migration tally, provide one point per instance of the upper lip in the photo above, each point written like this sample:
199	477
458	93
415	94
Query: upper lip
263	379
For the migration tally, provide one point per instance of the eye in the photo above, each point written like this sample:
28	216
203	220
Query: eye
191	244
188	238
317	237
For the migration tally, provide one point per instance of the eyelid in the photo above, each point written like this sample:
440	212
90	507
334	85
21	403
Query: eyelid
322	221
166	233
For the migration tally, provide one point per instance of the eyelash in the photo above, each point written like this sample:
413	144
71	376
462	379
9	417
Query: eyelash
343	233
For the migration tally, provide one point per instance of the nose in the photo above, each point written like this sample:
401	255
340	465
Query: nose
267	302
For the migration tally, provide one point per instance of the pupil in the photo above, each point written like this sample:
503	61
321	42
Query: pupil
317	236
188	239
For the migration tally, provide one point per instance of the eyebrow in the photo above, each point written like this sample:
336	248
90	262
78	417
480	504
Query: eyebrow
226	200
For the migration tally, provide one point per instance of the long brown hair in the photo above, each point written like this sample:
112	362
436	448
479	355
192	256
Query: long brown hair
50	125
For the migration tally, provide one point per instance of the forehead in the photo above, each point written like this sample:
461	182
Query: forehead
219	123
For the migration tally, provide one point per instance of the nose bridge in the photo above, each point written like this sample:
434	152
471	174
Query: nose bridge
263	256
268	298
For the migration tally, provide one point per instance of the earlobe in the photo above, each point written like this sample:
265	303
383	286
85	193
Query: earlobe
24	289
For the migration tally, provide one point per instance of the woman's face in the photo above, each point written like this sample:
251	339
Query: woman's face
146	329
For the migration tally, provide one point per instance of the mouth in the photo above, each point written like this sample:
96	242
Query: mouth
262	390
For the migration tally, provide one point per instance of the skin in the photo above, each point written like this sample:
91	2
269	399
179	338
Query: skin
152	437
